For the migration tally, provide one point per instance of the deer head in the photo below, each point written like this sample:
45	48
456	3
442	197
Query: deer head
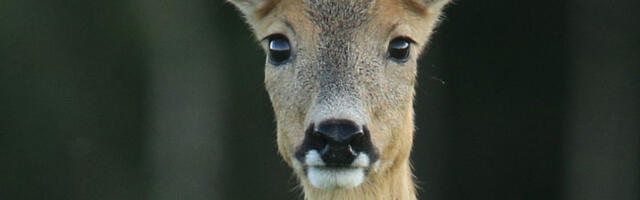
341	76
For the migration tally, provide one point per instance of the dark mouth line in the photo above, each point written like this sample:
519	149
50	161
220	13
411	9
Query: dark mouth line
336	167
305	169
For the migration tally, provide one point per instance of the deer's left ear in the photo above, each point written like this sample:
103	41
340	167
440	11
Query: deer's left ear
433	5
253	9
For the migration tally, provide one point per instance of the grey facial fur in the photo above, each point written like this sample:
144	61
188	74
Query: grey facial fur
338	66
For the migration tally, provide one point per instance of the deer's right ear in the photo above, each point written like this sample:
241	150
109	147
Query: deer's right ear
433	5
254	9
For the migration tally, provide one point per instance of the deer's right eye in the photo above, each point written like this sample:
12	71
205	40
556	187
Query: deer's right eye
279	49
399	49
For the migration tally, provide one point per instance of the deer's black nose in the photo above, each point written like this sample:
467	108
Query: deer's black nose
339	140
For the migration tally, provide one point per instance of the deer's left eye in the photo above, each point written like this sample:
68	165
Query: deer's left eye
399	49
279	49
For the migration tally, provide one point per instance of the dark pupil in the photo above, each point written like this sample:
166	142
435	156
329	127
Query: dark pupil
399	49
279	50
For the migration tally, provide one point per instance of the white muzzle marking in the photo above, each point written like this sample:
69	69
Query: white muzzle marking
327	178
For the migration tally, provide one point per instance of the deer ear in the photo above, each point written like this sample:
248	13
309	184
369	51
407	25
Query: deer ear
253	8
433	5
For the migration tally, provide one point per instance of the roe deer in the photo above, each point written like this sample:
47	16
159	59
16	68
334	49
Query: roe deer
340	75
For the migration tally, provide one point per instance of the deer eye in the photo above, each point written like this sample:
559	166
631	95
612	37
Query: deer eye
279	49
399	49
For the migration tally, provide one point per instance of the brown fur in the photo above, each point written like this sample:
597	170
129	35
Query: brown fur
339	48
266	8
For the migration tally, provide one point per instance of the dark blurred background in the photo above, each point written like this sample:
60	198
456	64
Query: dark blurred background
164	99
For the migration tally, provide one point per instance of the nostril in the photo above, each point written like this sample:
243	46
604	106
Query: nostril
359	134
313	139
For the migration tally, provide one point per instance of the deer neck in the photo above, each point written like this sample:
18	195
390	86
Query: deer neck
394	183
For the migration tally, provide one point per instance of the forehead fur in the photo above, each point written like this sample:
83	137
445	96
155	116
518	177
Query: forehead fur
344	15
338	15
357	7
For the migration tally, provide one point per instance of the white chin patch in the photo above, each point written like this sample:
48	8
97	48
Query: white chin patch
335	178
332	178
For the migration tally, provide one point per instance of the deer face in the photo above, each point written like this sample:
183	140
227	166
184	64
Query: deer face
340	75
